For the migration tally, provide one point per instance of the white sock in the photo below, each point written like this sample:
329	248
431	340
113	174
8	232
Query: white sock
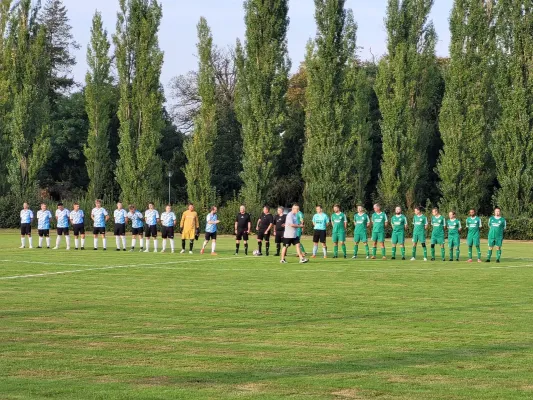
76	242
141	242
315	249
205	244
67	238
117	241
58	241
40	241
155	244
95	243
23	241
48	242
82	242
324	251
123	241
30	239
164	244
104	242
133	242
172	244
213	246
147	243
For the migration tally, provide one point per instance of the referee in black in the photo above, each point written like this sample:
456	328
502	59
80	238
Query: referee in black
264	229
279	222
243	226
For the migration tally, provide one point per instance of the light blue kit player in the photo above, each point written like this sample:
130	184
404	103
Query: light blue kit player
44	216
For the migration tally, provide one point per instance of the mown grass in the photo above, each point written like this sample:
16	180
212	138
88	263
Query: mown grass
170	326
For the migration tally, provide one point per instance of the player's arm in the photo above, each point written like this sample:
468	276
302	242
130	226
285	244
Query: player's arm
107	217
269	228
257	225
236	224
460	226
92	215
249	225
386	221
406	226
345	223
175	220
157	219
182	221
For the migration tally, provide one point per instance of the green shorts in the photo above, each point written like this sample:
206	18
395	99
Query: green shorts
378	237
398	238
473	241
453	241
360	237
495	241
437	240
338	237
419	238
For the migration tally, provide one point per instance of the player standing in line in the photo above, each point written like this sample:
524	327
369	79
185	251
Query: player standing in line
121	219
26	218
454	228
168	220
243	226
290	237
100	216
62	218
264	229
300	220
190	227
420	225
77	219
211	228
379	222
279	222
497	225
151	219
43	225
399	225
362	223
437	233
136	218
320	225
339	223
473	223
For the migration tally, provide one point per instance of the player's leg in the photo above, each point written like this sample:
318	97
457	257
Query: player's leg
451	243
316	238
147	236
58	238
323	241
238	242
40	240
117	237
284	252
343	246
478	248
470	244
191	245
394	242
30	238
335	240
104	240
443	251
67	238
267	244
213	244
22	236
164	237
492	244
458	251
499	243
402	246
245	237
278	244
356	241
433	243
413	252
260	237
382	241
375	245
302	248
154	236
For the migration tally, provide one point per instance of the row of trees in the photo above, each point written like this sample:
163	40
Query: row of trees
408	129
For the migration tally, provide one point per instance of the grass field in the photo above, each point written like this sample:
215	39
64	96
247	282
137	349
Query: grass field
109	325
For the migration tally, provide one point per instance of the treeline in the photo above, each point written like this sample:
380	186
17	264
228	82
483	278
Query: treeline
406	129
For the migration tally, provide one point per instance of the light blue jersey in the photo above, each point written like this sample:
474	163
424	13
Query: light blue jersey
168	218
99	215
62	217
211	228
151	217
77	217
120	216
321	221
136	219
26	216
43	219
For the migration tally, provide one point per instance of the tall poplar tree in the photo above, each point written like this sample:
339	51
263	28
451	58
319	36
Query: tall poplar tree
98	98
334	111
28	66
5	6
262	73
466	117
139	62
406	86
199	149
512	145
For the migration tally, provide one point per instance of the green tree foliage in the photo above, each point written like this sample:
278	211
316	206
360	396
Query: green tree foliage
262	65
27	60
512	146
467	113
139	61
5	6
406	86
199	149
98	98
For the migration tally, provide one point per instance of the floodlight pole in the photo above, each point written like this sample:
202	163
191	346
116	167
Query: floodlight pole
169	174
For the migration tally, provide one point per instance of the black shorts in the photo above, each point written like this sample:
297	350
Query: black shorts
78	229
242	235
98	231
120	229
279	237
319	236
261	235
210	236
291	241
167	232
62	231
25	229
44	232
137	231
150	231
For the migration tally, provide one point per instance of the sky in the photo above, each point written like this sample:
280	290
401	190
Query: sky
226	19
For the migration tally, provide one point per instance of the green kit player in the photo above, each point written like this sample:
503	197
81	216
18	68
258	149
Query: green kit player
454	228
420	225
339	222
362	223
497	225
473	223
379	222
437	234
399	224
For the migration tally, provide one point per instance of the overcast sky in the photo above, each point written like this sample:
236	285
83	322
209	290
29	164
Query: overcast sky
226	18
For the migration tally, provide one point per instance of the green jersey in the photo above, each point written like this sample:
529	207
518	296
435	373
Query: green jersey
438	225
299	221
419	224
473	225
338	220
497	226
453	227
360	222
378	222
398	223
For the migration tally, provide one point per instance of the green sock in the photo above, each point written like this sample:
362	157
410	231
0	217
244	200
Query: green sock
367	249
457	253
425	252
414	251
433	252
489	255
355	250
478	252
443	253
335	251
451	253
374	250
403	251
470	252
498	254
393	252
344	250
302	248
383	252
